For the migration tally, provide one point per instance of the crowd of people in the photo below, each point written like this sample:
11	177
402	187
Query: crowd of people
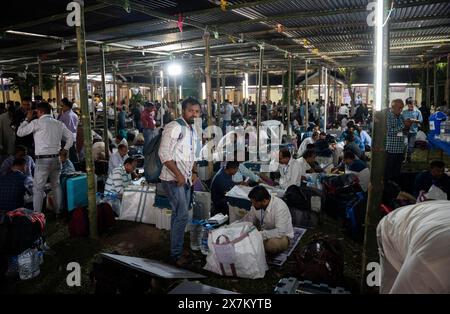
41	141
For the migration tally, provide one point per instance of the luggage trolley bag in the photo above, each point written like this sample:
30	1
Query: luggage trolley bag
76	192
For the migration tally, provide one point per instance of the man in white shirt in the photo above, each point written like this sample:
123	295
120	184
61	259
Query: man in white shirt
273	218
177	152
289	169
226	111
308	157
117	159
98	150
414	249
47	133
343	112
306	141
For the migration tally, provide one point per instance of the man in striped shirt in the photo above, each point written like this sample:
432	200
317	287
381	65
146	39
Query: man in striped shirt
120	177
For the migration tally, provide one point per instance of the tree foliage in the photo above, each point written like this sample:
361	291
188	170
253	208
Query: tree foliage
25	83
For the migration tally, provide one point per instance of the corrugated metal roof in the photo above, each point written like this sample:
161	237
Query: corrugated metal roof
335	27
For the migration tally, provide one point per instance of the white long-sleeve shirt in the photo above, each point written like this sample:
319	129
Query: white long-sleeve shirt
47	134
275	220
343	110
304	144
115	160
290	173
414	243
227	111
178	143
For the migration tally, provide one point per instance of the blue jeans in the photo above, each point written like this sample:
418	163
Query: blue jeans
225	124
411	143
148	135
179	198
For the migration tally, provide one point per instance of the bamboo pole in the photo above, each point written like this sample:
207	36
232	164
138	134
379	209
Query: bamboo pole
115	98
58	95
435	84
224	95
289	96
320	82
81	49
208	76
334	90
447	82
162	96
428	86
258	114
377	163
218	98
105	102
175	101
325	105
40	75
306	92
3	89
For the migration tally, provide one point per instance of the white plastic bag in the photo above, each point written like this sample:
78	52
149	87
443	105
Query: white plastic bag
137	204
435	193
236	250
28	264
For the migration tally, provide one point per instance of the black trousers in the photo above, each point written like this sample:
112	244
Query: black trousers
393	167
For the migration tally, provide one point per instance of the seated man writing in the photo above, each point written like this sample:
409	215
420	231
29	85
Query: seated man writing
308	159
435	176
220	185
272	217
290	169
118	158
120	177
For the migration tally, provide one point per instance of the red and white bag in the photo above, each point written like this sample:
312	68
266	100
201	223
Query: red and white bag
236	250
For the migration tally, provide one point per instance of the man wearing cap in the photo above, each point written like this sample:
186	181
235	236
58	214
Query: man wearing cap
415	116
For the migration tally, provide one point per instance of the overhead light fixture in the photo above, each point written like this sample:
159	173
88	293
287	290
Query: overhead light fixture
379	47
174	69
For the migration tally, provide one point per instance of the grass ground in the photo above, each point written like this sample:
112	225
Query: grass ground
142	240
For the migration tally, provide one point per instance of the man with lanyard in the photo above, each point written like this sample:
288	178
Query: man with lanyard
397	128
177	153
48	134
290	169
273	218
415	116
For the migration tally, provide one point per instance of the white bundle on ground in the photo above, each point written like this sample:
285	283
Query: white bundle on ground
236	250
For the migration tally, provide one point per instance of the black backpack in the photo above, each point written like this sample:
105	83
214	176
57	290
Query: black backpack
298	200
152	162
321	261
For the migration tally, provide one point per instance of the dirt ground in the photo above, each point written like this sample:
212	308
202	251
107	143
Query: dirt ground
129	238
135	239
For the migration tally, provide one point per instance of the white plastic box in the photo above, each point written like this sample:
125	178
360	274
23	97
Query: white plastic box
164	217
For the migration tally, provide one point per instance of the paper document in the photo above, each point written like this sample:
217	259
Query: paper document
218	219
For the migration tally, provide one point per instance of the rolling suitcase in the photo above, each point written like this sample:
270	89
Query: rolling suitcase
76	192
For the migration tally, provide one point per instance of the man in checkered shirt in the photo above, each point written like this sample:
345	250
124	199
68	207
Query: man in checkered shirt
396	140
